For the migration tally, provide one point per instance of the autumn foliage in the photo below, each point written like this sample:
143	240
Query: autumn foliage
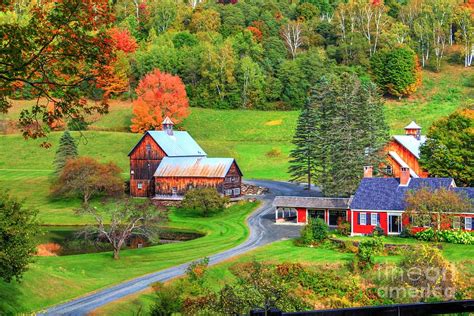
159	95
122	40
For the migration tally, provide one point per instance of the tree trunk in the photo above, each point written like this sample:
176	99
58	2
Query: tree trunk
309	174
116	253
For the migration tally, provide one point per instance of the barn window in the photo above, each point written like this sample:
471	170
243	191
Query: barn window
139	185
174	191
237	191
228	192
388	170
148	148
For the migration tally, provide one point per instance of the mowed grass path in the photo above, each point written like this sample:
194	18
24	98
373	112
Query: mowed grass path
51	280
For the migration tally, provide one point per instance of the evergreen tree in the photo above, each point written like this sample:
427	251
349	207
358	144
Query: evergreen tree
302	162
67	150
350	130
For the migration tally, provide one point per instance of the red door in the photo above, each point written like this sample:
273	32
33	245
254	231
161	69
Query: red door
302	215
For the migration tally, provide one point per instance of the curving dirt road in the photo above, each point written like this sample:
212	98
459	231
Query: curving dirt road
262	231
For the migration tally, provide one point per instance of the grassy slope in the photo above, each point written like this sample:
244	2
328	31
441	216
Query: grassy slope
284	251
63	278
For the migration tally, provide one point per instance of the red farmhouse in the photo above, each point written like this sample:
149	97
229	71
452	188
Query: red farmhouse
377	202
165	164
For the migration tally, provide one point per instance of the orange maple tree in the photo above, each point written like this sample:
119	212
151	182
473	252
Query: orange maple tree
123	40
159	95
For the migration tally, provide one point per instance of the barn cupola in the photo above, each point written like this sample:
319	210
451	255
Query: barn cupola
167	126
413	129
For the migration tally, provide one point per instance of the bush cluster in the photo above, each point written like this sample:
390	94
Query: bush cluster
316	231
455	236
368	249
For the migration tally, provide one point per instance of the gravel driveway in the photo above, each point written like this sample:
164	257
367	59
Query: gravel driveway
262	231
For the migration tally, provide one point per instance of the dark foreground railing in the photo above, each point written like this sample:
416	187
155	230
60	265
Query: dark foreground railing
453	307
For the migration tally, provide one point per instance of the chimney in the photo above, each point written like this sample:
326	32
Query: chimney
368	171
413	129
404	176
167	126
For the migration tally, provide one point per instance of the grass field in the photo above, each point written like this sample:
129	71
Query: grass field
26	170
285	251
51	280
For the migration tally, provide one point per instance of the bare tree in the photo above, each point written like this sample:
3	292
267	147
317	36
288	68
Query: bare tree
194	3
126	218
292	34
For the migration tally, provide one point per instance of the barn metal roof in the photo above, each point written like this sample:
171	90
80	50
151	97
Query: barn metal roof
402	163
411	143
311	202
179	144
194	167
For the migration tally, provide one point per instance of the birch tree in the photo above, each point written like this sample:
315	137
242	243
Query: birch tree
293	37
465	22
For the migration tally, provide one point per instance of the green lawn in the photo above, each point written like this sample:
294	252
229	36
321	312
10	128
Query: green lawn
51	280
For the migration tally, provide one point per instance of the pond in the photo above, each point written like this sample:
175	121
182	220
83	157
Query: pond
66	240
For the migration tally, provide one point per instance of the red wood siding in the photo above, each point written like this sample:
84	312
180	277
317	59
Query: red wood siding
302	215
144	161
407	156
357	228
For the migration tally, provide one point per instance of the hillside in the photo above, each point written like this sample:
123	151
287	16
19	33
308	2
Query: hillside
259	140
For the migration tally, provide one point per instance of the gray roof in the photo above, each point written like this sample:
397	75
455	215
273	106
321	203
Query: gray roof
311	202
386	194
411	143
413	125
194	167
179	144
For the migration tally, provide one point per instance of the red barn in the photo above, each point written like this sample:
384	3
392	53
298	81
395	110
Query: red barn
403	151
165	164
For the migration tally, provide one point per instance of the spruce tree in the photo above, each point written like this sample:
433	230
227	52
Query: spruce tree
302	163
350	131
67	150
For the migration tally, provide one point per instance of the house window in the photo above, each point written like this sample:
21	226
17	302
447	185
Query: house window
139	185
335	217
363	219
373	219
457	222
468	223
237	191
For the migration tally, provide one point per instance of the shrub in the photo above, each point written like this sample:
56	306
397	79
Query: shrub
368	249
378	231
168	300
197	270
427	273
344	228
320	230
203	201
306	235
455	236
406	232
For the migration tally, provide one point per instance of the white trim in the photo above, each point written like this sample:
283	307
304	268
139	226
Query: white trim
365	219
470	223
